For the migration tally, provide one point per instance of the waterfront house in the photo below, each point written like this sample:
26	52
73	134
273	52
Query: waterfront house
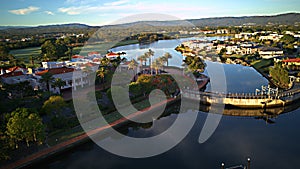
66	75
270	52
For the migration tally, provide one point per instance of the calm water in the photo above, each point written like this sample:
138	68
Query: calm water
273	146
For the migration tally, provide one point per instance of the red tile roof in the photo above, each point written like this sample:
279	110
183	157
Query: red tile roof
89	64
93	53
12	69
12	74
112	54
55	71
292	60
77	56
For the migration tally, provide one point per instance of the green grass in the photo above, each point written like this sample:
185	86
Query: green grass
26	53
128	42
259	64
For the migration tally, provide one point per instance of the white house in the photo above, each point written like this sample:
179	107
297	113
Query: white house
269	52
66	75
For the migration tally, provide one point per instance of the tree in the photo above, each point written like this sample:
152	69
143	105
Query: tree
149	55
194	64
25	125
132	65
48	50
47	78
142	59
168	56
53	105
280	76
157	64
59	83
4	52
287	39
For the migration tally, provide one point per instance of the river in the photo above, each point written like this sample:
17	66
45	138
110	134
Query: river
269	142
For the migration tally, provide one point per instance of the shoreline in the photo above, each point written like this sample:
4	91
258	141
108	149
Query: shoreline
48	152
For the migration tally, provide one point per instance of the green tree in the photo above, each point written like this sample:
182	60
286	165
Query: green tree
4	52
53	105
47	78
167	56
280	76
287	39
25	125
142	58
149	55
132	65
59	83
194	64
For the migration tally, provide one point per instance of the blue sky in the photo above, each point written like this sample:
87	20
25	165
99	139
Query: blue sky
101	12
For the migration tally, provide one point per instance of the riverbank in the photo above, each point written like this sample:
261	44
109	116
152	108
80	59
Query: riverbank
66	145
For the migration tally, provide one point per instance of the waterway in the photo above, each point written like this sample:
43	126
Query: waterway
270	142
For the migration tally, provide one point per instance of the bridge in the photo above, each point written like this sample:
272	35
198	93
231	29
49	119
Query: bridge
244	100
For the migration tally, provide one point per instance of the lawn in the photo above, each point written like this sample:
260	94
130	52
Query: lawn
25	54
259	64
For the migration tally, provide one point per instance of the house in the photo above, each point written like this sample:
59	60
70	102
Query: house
220	47
270	52
76	58
222	31
273	37
65	74
13	77
290	62
112	55
231	49
49	65
94	54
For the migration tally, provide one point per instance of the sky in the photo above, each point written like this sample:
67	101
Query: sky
103	12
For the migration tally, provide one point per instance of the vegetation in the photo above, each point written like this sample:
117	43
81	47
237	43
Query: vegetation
194	64
25	125
280	76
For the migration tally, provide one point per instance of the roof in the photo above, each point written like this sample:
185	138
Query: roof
292	60
89	64
55	71
12	74
93	53
112	54
12	69
270	49
77	56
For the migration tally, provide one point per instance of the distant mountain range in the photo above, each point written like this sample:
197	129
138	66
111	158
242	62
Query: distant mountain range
281	19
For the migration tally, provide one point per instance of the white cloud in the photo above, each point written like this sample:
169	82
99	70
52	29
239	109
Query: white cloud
116	3
71	10
24	11
49	13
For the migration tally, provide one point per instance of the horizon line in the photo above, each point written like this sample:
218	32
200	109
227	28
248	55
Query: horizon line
94	25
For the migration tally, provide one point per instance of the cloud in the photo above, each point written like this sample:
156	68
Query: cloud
71	10
24	11
116	3
49	12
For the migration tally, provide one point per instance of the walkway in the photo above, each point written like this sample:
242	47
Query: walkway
77	140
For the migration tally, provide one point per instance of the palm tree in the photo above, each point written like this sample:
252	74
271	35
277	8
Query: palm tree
101	72
149	55
142	59
47	78
168	56
156	64
59	83
163	60
132	65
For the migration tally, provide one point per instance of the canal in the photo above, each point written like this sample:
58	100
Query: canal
271	141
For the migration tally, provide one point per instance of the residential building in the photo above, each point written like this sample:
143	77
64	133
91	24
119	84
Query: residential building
270	52
72	78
